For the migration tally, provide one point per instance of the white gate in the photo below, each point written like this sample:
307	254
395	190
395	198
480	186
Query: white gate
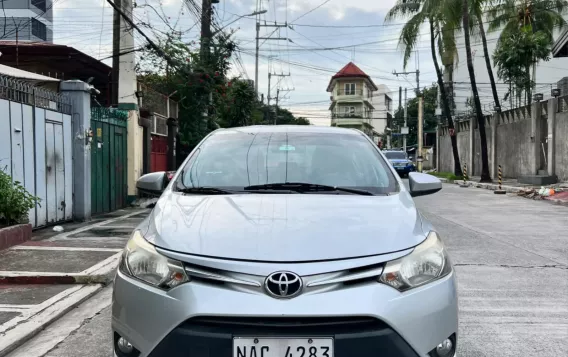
37	150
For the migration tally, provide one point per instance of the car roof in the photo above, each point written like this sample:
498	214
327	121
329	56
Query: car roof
293	128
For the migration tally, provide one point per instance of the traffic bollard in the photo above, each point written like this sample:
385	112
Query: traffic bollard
500	191
464	184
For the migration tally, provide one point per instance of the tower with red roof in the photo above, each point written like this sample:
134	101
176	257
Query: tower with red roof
351	99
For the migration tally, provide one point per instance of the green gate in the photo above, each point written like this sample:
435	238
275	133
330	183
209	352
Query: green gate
108	159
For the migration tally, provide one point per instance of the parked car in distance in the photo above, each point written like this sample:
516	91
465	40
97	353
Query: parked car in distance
400	161
285	241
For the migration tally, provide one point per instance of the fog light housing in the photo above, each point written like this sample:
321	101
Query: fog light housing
123	348
446	348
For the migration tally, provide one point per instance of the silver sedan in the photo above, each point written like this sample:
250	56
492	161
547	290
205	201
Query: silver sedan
285	241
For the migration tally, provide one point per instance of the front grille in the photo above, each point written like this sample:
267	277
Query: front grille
211	336
348	323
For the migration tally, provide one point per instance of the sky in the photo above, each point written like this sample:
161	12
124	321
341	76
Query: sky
325	36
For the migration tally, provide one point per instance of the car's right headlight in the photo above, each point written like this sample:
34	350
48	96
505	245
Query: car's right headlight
427	262
141	261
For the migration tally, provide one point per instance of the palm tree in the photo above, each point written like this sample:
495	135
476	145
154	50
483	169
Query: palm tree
543	16
442	32
476	9
485	176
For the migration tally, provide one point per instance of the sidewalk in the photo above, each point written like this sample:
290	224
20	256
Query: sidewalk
512	186
46	277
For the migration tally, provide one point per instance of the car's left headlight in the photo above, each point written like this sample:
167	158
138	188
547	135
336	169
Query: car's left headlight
141	261
427	262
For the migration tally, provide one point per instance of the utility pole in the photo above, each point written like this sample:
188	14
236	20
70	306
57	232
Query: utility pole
420	138
206	49
278	98
205	29
116	53
258	38
269	97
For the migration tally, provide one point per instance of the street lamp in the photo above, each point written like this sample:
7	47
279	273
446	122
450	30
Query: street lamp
555	92
238	18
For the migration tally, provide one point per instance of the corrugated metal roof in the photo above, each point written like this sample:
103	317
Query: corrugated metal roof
18	73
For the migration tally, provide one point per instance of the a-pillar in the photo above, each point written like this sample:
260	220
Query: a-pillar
80	94
552	109
534	159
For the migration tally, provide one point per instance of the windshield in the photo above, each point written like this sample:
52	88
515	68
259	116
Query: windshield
234	159
395	155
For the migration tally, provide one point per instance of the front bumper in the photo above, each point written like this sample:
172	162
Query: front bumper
200	320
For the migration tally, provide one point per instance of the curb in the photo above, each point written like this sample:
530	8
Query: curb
101	273
24	331
6	279
507	189
14	235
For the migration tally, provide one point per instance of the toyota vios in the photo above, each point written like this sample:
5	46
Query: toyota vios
285	241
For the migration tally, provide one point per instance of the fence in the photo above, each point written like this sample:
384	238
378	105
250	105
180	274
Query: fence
523	140
38	150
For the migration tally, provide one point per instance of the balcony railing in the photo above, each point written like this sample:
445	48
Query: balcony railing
356	114
358	92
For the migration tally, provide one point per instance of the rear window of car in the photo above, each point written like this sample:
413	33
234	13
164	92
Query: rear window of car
395	155
238	158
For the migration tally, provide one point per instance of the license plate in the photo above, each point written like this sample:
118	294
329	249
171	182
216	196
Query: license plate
282	347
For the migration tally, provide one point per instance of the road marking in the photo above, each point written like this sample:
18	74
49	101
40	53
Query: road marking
71	249
22	331
49	338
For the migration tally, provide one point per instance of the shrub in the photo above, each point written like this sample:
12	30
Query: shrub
15	201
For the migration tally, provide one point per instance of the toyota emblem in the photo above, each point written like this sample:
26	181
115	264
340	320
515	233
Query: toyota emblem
283	285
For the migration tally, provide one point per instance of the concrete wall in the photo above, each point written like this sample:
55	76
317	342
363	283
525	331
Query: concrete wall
562	146
516	151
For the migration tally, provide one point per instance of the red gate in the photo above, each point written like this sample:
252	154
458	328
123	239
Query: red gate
159	157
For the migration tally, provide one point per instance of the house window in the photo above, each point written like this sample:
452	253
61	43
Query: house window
388	103
39	29
40	4
350	88
349	111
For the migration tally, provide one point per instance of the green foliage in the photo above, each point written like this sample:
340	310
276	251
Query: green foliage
207	100
430	119
15	201
235	104
515	54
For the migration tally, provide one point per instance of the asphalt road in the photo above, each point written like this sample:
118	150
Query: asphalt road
511	256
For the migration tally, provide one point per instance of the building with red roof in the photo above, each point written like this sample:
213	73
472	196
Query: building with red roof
351	99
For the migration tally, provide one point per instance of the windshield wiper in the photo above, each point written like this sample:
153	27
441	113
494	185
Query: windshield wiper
306	187
205	190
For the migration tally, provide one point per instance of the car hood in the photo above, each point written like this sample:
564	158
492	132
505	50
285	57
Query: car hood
284	227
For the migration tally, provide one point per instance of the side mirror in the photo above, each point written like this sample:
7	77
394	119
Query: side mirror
423	184
153	183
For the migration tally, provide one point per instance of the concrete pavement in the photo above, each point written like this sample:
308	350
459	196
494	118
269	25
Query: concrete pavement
43	279
511	257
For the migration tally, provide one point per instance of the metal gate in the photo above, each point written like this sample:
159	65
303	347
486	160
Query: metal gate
159	155
108	159
36	147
